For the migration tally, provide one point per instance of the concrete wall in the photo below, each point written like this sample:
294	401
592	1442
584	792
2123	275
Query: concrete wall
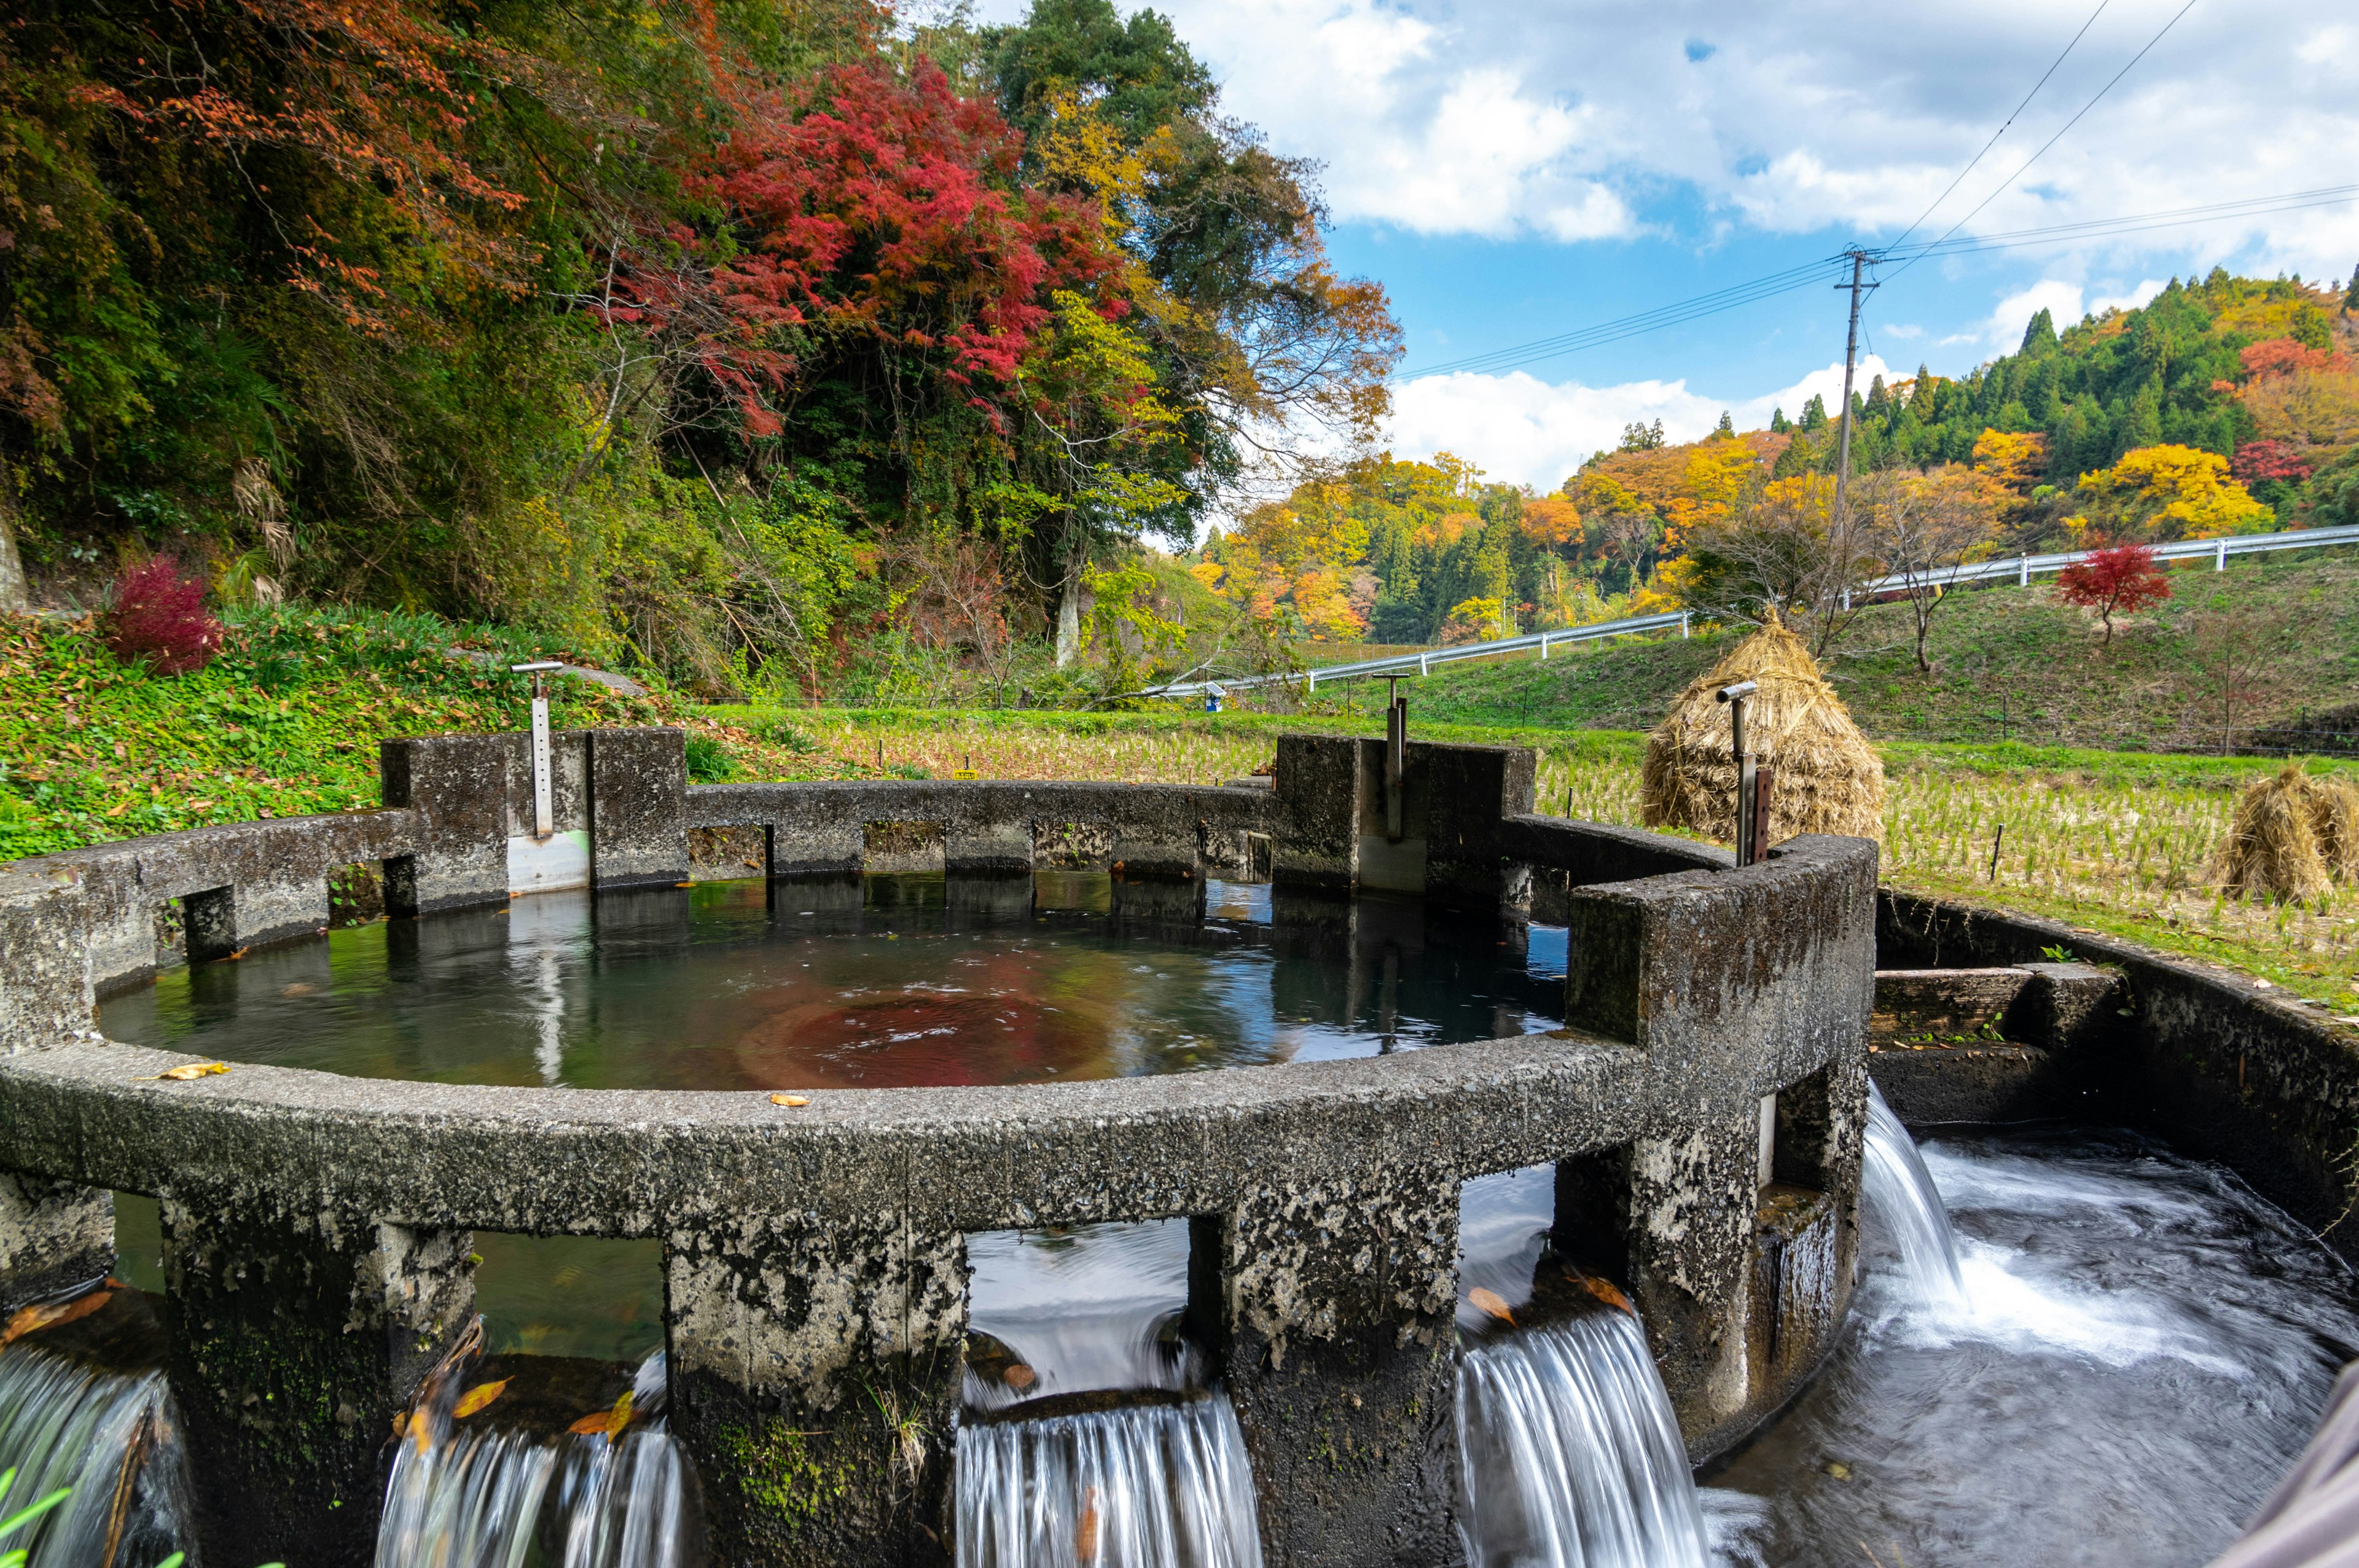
814	1256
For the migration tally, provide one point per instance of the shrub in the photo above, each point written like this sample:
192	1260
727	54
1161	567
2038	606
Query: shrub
159	618
2121	581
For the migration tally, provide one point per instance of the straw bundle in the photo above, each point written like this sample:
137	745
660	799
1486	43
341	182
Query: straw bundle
1828	779
2292	834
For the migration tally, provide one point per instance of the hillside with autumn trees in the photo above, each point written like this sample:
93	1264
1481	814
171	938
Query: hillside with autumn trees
764	348
2225	407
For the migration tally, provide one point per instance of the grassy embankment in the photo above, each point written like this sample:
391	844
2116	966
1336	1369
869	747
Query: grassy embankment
288	719
2267	641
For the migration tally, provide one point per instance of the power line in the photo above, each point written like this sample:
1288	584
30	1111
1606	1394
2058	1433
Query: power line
1810	274
2008	183
2010	120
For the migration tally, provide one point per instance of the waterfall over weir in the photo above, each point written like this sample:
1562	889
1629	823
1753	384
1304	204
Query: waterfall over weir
112	1437
1159	1486
1895	1185
473	1493
1569	1455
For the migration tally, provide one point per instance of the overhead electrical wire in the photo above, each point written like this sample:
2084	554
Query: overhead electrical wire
2008	183
2010	121
1813	273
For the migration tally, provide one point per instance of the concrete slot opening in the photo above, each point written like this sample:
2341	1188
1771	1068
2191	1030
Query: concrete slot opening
569	1295
1083	1311
139	1243
1592	1212
729	854
210	921
356	895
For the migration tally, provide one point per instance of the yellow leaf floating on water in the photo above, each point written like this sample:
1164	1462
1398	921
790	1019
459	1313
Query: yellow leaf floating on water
791	1099
47	1314
1019	1377
187	1070
1491	1301
479	1395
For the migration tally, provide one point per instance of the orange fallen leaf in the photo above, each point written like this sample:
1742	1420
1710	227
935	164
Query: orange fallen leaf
401	1423
1492	1302
1604	1291
1085	1534
592	1425
47	1314
1019	1377
187	1070
479	1395
791	1099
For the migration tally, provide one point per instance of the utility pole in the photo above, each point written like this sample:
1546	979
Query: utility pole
1858	287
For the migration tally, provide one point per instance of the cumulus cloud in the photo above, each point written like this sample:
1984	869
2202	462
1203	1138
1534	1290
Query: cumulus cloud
1495	117
1521	430
2061	298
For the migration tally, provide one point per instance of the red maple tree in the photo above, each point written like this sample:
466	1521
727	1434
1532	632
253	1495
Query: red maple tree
2121	579
159	617
2257	461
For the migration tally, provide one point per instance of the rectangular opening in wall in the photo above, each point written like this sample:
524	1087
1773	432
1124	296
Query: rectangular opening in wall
1077	1310
1502	1235
728	854
210	919
1592	1226
139	1243
356	895
569	1295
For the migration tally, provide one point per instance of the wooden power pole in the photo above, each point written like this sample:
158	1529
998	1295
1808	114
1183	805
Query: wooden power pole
1858	286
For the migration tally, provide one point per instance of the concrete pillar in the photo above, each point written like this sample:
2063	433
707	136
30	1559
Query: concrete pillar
458	786
1472	790
1692	1208
639	808
815	1378
1320	791
296	1336
53	1234
1331	1306
47	932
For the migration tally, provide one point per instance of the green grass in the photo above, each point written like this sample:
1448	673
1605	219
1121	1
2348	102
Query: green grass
2160	684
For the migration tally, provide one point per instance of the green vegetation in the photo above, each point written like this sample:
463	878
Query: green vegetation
2271	641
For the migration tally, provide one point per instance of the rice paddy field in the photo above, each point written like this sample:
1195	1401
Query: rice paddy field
2118	843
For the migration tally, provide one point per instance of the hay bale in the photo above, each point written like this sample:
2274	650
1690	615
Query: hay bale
2274	846
1829	780
2334	818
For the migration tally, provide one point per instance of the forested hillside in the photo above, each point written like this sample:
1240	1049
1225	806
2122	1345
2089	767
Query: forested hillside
2227	407
763	346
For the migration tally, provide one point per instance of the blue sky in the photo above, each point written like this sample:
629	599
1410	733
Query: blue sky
1509	170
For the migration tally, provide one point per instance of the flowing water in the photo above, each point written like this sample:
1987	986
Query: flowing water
84	1406
1157	1476
1569	1454
2147	1347
480	1490
1900	1192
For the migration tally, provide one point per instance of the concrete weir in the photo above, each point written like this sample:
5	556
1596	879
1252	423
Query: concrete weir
1704	1110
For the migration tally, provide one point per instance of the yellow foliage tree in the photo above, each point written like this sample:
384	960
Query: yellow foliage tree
2174	492
1721	477
2017	461
1295	557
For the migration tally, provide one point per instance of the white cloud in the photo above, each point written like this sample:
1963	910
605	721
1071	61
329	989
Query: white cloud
1497	117
1522	430
2061	298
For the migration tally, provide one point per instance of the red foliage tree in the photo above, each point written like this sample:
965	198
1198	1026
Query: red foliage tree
2283	356
158	617
2120	580
2257	461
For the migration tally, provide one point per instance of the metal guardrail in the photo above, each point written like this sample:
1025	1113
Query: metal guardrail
2022	568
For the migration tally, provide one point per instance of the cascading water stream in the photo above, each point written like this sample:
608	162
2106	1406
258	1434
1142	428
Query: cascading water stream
1160	1479
112	1437
1569	1454
1895	1185
468	1493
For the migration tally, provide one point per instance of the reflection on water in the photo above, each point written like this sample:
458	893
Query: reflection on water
2147	1349
871	983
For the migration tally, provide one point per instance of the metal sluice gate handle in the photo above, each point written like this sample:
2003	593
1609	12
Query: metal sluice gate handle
543	812
1752	780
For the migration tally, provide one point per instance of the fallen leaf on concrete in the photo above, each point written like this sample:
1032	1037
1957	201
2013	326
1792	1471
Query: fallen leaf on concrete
791	1099
1019	1377
1604	1291
1492	1302
479	1395
44	1315
607	1422
187	1070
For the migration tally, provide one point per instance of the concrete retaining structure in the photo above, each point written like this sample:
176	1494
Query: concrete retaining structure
1704	1109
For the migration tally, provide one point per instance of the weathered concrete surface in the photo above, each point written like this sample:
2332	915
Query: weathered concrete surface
53	1234
1994	1044
639	808
815	1375
2215	1062
458	786
297	1332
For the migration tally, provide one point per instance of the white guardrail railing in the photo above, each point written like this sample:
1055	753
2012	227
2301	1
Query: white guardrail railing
2021	568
